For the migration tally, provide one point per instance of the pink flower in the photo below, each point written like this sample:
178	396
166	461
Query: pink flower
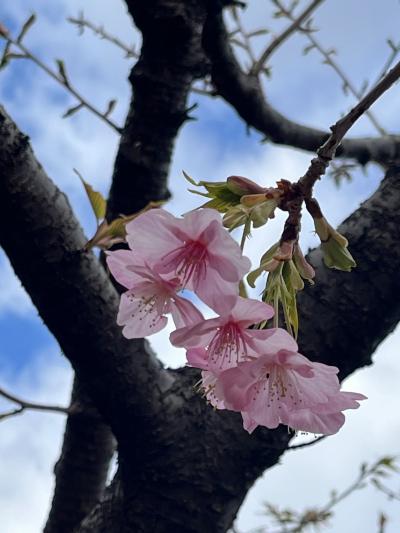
227	340
286	388
195	248
196	358
150	297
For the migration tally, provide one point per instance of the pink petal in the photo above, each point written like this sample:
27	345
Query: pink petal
194	223
119	263
184	313
138	322
235	386
306	420
225	254
197	335
248	423
212	289
153	234
247	311
209	380
197	357
273	340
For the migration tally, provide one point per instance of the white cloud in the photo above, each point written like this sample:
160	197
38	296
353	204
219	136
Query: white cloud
13	298
30	443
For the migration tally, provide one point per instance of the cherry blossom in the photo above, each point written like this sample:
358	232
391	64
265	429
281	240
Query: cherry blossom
228	340
289	389
150	297
196	248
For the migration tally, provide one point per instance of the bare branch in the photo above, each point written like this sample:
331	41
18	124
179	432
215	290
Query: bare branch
306	444
81	470
246	40
245	94
394	52
327	55
328	150
81	22
60	78
27	405
302	190
280	39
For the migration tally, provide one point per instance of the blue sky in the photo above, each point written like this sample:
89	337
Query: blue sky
214	147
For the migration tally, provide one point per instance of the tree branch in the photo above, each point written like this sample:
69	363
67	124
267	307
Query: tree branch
327	55
24	405
82	468
60	78
245	94
82	23
280	39
170	60
46	254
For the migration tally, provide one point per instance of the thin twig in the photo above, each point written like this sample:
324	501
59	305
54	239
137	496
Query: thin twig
245	37
326	153
27	405
395	49
327	55
83	23
59	79
306	444
277	41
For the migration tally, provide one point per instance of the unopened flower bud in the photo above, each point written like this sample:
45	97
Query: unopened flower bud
3	30
235	216
334	246
242	186
306	271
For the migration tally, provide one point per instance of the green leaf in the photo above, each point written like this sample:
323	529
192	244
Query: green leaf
110	107
5	57
256	33
62	71
96	199
26	27
190	180
72	110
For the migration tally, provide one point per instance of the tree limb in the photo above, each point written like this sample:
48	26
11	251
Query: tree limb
245	94
24	405
170	60
46	254
82	468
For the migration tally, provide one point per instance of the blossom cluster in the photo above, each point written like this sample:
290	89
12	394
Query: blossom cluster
255	371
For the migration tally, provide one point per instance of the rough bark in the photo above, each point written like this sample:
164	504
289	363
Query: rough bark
82	468
46	254
171	58
245	94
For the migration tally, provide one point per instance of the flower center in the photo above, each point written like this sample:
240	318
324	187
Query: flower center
149	305
189	262
279	386
228	347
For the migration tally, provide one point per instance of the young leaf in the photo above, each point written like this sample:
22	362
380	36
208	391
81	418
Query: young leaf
62	71
72	110
5	57
96	199
110	108
26	27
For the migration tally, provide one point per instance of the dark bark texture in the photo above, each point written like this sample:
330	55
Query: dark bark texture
82	468
183	467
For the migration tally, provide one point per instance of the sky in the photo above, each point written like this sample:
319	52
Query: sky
211	148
